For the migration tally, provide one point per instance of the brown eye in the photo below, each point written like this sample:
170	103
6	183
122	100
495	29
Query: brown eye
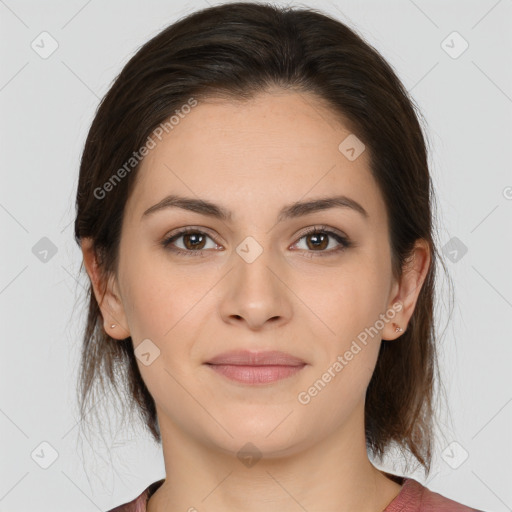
194	241
190	242
318	240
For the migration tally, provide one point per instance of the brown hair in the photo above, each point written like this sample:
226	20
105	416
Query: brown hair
235	51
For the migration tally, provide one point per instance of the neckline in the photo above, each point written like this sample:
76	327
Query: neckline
407	484
407	497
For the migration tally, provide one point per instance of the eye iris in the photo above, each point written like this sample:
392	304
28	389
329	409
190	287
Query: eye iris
321	244
195	245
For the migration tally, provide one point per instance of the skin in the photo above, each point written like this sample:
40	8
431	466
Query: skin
254	158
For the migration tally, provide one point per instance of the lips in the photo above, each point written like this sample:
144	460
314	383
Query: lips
255	367
248	358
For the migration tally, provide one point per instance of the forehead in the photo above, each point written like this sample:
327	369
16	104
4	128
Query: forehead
277	148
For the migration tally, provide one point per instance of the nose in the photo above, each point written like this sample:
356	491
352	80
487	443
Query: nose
255	293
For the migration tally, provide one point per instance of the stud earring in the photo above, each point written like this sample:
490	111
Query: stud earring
112	326
398	328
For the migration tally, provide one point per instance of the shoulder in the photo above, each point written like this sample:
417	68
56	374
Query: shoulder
138	504
415	497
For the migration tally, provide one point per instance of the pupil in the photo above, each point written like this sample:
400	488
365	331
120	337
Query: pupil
195	241
318	243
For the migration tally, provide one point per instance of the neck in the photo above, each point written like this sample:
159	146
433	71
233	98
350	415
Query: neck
333	474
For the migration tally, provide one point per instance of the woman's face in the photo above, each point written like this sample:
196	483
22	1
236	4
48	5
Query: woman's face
254	280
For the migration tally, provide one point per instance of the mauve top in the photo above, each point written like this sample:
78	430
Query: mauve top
414	497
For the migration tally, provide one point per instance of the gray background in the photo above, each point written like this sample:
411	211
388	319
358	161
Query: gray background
47	105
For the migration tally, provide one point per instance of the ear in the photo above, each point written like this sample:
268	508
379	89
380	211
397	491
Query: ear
106	292
407	290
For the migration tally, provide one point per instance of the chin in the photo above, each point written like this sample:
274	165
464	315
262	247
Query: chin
262	434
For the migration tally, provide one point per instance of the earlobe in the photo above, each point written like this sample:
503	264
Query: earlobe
397	327
394	330
116	331
109	302
411	282
112	310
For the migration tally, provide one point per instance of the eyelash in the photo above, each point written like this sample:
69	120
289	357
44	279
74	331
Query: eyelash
345	242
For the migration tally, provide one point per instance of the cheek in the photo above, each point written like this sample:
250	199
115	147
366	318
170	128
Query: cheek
352	299
339	380
157	296
170	307
161	307
350	305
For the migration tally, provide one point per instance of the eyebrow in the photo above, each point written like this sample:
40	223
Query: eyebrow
294	210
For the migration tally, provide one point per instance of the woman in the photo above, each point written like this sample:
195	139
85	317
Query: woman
282	153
